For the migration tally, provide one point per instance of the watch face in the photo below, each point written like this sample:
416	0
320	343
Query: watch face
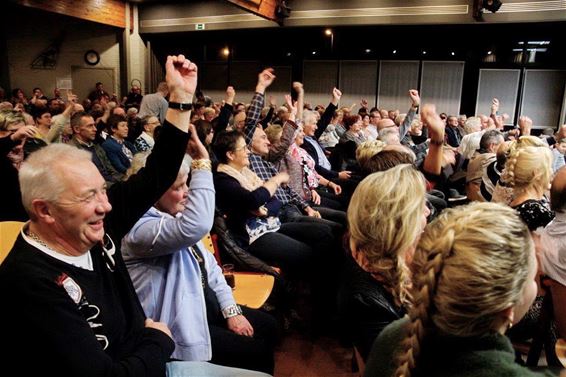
92	57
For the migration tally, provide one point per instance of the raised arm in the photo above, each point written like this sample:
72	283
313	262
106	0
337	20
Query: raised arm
300	90
433	160
278	150
221	123
264	79
131	199
326	117
415	103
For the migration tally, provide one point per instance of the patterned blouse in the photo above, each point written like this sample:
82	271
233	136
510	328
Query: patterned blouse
535	213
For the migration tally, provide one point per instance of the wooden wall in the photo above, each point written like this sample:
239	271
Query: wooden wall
107	12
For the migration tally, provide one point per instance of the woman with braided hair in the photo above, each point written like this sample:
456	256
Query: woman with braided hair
473	278
385	221
528	171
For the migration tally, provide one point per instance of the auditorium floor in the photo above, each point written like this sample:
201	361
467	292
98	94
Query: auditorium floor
301	356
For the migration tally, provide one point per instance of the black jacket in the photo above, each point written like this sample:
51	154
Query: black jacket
365	307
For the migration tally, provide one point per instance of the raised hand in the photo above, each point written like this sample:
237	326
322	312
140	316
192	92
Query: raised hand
494	106
181	76
415	97
230	95
298	87
195	148
291	105
24	132
525	125
432	121
336	95
264	79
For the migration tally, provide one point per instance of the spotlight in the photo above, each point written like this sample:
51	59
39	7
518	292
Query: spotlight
225	51
492	5
282	11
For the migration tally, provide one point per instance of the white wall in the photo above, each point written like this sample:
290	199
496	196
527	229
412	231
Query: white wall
28	34
138	52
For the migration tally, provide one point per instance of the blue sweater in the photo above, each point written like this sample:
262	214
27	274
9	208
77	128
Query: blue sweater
167	276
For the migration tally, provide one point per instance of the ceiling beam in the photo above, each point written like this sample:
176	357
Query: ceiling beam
263	8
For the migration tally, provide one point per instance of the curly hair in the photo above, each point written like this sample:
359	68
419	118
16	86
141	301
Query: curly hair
384	220
367	150
471	263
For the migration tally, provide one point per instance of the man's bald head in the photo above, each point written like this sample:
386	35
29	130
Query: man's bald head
558	191
385	123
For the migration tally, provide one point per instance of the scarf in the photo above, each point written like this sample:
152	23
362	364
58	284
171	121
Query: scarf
247	178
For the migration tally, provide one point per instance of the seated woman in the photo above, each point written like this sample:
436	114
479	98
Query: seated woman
353	124
473	277
252	209
385	223
305	181
180	283
119	150
528	170
13	135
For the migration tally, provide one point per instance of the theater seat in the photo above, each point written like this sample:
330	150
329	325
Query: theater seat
9	231
252	288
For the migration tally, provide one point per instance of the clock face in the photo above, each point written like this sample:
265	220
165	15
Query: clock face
91	57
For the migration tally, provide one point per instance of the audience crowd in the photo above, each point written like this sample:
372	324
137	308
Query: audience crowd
109	275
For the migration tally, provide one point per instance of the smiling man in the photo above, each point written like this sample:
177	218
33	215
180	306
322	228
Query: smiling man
71	307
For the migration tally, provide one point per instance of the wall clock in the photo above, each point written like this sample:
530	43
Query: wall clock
91	57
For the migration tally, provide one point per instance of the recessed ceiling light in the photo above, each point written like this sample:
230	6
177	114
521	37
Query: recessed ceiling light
394	51
489	52
452	53
368	50
314	52
424	52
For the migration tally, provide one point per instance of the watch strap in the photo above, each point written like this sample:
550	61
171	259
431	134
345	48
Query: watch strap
181	106
231	311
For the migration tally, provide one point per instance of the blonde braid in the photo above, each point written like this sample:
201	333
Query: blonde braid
508	174
430	260
480	255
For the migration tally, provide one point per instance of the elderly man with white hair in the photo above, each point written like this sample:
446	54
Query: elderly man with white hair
73	310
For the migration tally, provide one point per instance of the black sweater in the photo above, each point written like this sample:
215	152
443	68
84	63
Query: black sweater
67	321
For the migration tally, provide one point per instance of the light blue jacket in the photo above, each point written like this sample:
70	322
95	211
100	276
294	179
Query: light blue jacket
166	275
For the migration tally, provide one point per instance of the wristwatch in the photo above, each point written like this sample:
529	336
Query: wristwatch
231	311
181	106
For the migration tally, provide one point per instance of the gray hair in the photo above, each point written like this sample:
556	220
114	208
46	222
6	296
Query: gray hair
473	124
490	137
40	174
309	117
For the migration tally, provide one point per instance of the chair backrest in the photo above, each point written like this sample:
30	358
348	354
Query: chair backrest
9	231
210	245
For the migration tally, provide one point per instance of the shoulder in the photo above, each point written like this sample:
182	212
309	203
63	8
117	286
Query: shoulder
535	213
385	347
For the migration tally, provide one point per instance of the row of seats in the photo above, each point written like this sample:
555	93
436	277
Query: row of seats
252	288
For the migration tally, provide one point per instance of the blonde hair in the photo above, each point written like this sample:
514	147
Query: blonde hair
273	132
529	164
384	222
8	117
140	159
471	263
367	150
